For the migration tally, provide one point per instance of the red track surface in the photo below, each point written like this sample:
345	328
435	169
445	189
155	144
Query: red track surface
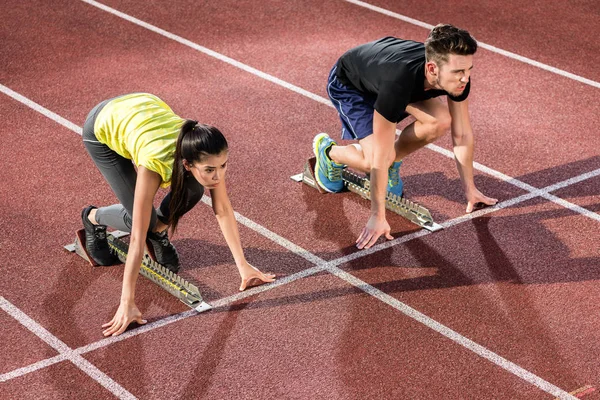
513	291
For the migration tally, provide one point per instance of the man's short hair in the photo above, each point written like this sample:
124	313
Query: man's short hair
445	39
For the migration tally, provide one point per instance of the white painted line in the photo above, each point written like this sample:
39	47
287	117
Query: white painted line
224	302
33	367
304	92
488	47
484	169
525	186
331	267
453	335
208	52
61	347
573	207
90	369
190	313
572	181
42	110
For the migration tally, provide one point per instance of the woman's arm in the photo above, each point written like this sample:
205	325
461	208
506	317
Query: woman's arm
147	184
226	219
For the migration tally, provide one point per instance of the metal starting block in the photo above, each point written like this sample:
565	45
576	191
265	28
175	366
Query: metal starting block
163	277
361	185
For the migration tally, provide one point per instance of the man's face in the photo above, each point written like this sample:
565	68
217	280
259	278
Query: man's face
454	75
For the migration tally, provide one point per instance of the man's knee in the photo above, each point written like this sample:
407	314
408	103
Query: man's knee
438	126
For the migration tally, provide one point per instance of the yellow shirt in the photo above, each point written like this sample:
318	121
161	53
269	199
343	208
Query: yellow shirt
142	128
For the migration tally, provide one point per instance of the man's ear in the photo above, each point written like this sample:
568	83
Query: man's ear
431	68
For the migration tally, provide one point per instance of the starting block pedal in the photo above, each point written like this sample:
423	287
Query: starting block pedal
163	277
361	185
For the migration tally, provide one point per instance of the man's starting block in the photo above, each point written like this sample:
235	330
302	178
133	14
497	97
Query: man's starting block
361	185
168	280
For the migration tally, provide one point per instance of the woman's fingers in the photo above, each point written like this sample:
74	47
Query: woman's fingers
263	278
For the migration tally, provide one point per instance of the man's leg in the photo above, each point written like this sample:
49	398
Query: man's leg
432	121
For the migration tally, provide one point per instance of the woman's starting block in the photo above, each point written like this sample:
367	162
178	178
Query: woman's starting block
166	279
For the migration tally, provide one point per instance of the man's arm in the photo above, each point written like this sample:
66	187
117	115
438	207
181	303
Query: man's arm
462	140
381	157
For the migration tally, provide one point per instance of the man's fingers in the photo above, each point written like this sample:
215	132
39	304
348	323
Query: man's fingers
469	207
490	201
121	329
140	321
112	329
267	277
388	236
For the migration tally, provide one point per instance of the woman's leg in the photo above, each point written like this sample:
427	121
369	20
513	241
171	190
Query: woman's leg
120	174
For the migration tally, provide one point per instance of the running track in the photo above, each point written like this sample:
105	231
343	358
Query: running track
500	304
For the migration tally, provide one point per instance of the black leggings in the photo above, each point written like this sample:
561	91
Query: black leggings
121	175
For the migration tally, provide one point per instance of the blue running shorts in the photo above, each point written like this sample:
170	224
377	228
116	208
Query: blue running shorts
354	108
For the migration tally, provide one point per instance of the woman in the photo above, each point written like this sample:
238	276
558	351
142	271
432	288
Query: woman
167	150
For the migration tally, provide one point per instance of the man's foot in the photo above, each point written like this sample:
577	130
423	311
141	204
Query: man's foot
395	184
327	171
96	243
162	250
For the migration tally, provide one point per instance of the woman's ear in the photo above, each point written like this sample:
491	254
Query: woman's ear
186	165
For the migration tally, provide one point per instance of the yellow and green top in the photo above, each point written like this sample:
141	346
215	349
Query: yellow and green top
142	128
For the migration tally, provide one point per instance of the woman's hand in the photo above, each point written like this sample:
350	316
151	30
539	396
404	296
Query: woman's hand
251	276
126	314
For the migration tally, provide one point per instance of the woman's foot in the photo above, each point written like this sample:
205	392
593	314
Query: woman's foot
96	243
162	250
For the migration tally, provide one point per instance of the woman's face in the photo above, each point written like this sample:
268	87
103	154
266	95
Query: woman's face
210	171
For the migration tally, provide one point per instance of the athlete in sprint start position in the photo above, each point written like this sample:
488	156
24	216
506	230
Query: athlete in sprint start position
139	144
376	85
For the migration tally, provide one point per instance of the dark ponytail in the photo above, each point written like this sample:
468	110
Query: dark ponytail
195	141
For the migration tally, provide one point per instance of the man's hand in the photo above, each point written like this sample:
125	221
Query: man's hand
376	226
475	199
126	314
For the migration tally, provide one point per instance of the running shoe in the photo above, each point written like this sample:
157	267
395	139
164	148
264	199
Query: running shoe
327	171
395	184
96	244
162	250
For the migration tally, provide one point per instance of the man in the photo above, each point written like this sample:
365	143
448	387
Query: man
376	85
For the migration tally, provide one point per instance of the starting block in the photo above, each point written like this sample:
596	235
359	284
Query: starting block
163	277
361	185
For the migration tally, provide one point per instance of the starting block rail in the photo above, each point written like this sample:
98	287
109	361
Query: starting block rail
186	292
361	185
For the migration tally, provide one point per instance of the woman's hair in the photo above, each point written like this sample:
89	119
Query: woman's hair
195	141
444	40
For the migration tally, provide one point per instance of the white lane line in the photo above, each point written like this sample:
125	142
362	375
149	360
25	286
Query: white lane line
484	169
545	192
488	47
331	267
61	347
207	51
453	335
33	367
260	74
42	110
306	93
